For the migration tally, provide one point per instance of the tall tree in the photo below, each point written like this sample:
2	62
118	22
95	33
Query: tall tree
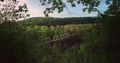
10	11
113	9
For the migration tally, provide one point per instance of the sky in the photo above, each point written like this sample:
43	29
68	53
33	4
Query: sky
36	10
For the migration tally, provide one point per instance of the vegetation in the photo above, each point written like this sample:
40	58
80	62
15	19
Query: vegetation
10	11
25	44
58	21
99	42
59	5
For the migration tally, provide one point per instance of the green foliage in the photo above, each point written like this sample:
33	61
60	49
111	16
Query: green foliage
93	50
10	12
90	5
14	43
25	43
110	29
113	9
60	5
58	21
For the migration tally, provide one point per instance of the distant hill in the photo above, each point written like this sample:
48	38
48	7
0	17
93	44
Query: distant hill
58	21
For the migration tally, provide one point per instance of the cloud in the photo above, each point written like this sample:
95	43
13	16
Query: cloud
35	9
73	14
35	12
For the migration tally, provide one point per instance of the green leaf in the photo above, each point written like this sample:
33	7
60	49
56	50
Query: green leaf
73	5
44	0
90	10
46	15
78	2
84	9
49	1
53	8
59	11
86	4
44	12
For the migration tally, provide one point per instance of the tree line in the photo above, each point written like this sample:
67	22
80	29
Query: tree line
59	21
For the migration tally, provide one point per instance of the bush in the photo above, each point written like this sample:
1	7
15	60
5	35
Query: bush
110	27
20	44
14	43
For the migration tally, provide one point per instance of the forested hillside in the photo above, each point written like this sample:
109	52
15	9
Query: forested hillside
59	21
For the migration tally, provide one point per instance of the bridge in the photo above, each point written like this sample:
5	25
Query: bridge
63	40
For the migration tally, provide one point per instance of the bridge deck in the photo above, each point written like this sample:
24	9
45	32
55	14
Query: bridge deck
57	40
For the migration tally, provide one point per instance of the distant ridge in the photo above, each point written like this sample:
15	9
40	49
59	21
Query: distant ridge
58	21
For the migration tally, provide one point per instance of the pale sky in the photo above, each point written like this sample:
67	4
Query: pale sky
36	10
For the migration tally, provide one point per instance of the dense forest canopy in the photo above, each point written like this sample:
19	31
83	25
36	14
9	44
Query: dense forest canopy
40	21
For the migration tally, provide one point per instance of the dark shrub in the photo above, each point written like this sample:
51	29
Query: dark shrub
14	43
